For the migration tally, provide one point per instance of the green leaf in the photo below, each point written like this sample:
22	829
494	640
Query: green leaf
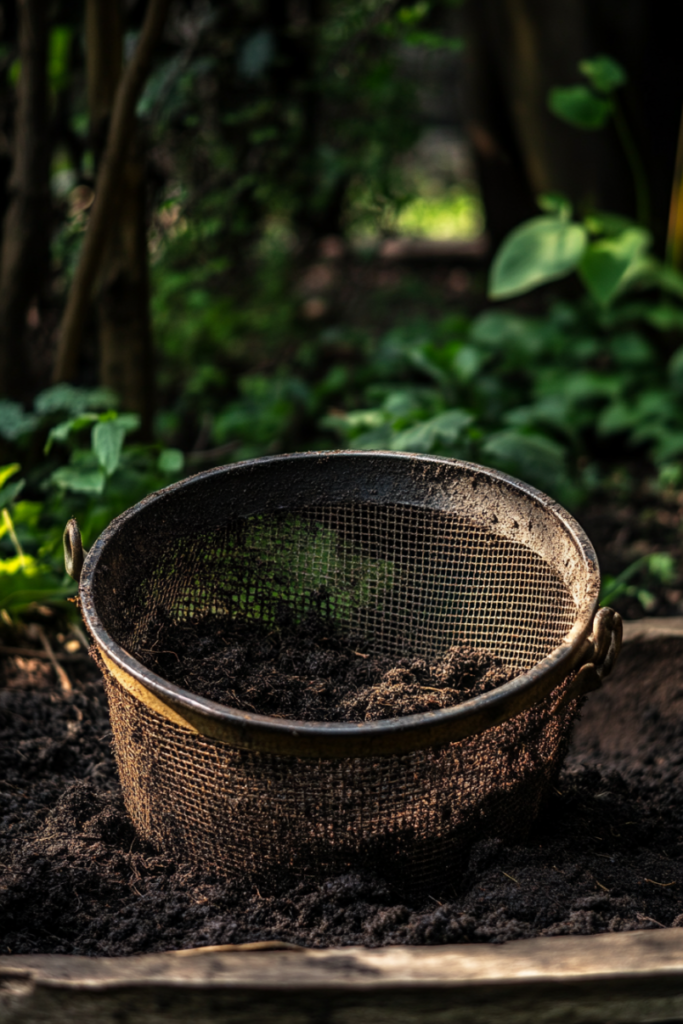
603	223
609	263
14	421
107	443
130	421
540	250
557	203
446	428
578	106
533	457
71	478
67	398
171	461
61	431
604	73
7	471
10	492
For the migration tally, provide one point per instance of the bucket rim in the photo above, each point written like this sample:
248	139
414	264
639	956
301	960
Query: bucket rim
335	740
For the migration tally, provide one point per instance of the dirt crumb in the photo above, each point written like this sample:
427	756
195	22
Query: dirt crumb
309	671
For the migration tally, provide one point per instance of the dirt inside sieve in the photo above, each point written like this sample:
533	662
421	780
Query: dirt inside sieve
605	855
308	670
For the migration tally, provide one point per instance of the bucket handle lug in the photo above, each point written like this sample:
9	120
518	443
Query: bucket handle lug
74	552
603	646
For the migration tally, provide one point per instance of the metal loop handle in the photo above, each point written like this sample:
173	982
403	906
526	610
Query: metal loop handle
608	631
74	552
604	645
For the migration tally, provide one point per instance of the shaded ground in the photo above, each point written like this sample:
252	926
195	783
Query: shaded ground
607	853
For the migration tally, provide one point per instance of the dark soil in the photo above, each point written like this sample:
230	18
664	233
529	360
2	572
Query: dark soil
308	672
606	854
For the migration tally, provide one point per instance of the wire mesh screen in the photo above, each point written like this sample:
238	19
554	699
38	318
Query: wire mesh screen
415	555
409	817
411	580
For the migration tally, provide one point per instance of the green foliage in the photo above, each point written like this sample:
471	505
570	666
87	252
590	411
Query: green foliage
658	567
609	252
88	473
589	107
540	250
580	107
604	73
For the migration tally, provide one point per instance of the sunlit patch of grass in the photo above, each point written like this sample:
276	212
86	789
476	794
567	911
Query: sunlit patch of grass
456	213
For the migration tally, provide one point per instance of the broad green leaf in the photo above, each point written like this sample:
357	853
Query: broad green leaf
608	264
540	250
171	461
446	428
7	471
467	362
10	492
615	418
107	443
71	478
604	73
533	457
67	398
61	431
130	421
578	106
14	421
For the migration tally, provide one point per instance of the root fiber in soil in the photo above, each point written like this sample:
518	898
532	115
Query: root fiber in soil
307	671
605	855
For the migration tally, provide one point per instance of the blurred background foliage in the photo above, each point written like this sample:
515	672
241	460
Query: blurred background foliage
320	189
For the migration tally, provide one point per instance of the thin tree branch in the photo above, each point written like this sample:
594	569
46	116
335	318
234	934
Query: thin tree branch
104	207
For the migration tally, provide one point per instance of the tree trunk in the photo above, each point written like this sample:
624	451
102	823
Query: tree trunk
125	337
122	293
26	227
105	237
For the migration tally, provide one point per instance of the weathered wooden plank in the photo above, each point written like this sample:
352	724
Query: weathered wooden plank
623	978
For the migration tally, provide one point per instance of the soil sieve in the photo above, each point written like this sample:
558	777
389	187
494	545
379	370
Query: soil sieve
415	553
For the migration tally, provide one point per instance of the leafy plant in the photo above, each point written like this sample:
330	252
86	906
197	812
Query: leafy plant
88	471
590	107
608	252
658	566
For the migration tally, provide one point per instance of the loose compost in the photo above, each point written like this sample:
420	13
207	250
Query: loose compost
605	855
309	671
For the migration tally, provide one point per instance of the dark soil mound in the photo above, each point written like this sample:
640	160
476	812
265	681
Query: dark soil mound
307	671
606	854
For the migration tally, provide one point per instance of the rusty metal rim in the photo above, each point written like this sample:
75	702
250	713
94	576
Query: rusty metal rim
334	740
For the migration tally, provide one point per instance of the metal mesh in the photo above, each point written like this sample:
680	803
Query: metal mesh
411	580
416	561
411	816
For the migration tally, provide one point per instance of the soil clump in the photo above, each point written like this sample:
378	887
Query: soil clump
605	855
308	671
